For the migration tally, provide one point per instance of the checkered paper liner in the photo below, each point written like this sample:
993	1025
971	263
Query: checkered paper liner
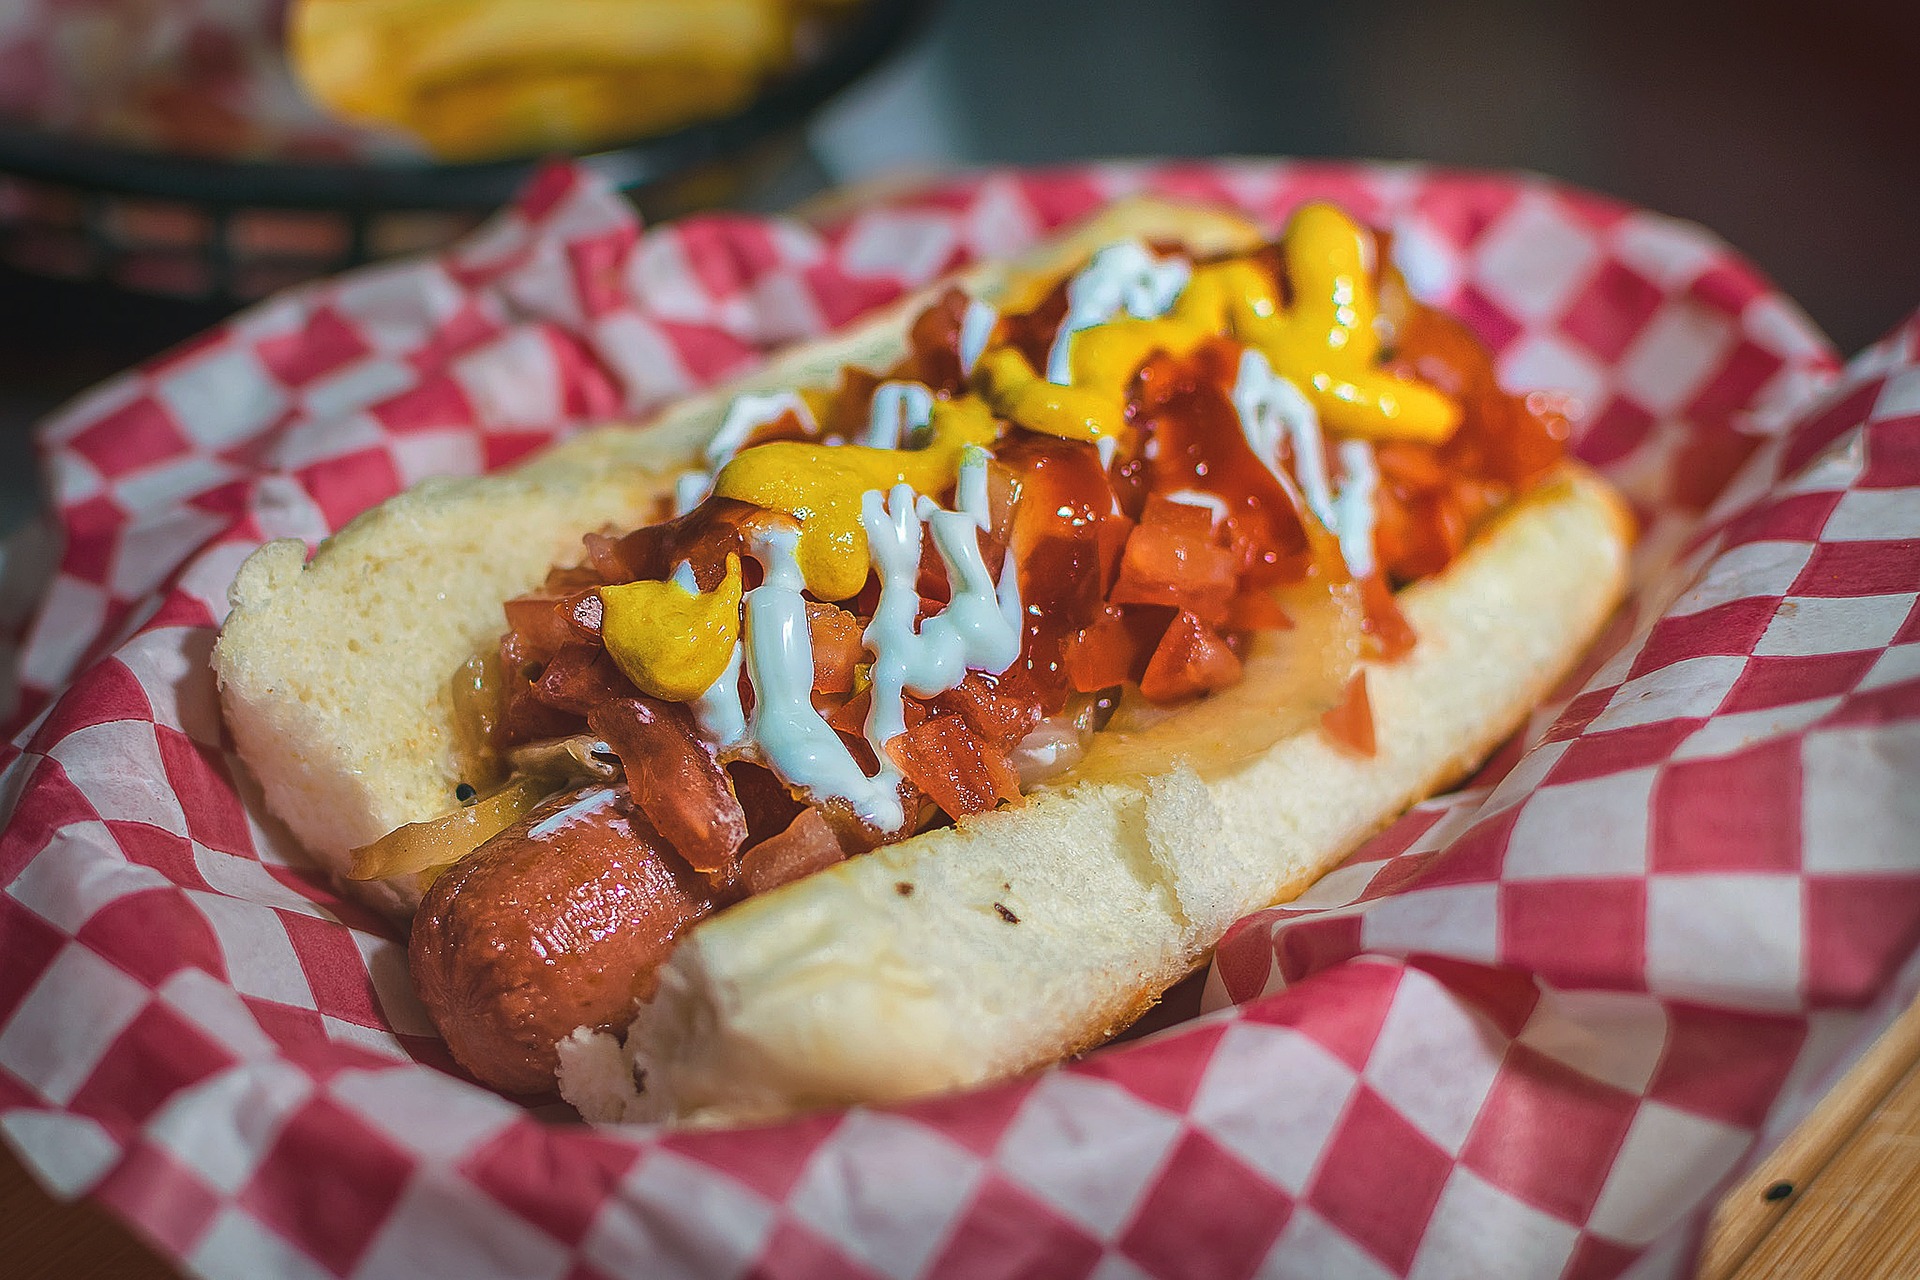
1533	1029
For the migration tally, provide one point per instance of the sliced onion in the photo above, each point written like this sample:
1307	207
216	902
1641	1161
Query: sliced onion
443	841
580	758
1056	744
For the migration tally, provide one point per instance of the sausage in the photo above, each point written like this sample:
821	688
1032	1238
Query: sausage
560	921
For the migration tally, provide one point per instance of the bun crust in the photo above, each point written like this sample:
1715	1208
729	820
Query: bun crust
336	673
958	956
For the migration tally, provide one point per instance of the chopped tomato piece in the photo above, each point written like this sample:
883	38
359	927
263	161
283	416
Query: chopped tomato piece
703	537
768	805
851	715
580	678
1382	620
1410	466
933	345
525	718
1064	532
808	844
675	781
1191	658
567	579
1257	610
1171	558
1350	724
541	623
1115	648
837	648
949	763
1032	333
585	612
1001	709
852	404
1196	442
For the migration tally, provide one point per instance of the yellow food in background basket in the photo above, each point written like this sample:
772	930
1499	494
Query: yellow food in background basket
475	79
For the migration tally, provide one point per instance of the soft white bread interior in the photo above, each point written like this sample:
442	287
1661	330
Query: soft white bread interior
336	673
1026	934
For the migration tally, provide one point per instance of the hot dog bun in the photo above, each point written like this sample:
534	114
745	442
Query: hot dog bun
1033	933
958	955
336	672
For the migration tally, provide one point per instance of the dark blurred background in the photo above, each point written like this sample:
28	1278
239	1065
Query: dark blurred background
1788	128
1791	129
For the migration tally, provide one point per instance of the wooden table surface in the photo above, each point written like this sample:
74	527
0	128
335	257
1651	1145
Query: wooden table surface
1841	1197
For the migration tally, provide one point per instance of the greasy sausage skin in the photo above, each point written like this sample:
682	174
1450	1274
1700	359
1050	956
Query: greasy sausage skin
558	922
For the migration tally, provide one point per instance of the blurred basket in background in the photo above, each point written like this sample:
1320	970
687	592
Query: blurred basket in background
222	231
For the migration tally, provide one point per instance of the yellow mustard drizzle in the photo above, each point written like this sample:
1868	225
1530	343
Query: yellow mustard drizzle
675	643
1326	344
672	643
820	486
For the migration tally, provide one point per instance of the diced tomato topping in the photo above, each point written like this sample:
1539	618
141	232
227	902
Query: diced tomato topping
1350	724
581	677
837	648
956	770
768	805
851	715
525	718
541	622
703	537
1417	535
1061	544
1105	654
1505	443
852	404
1257	610
675	781
808	844
1119	582
1032	333
1000	709
933	345
1192	658
1197	443
1172	558
1385	626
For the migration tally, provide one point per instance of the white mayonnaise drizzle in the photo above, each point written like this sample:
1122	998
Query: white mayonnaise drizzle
976	326
587	805
789	736
899	409
719	712
1270	407
747	414
1124	276
978	630
1353	506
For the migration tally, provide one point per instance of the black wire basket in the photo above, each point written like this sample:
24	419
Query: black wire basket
220	232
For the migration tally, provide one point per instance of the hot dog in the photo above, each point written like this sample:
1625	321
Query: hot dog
805	784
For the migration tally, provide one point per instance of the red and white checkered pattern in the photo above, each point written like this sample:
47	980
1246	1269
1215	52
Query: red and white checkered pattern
1530	1030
